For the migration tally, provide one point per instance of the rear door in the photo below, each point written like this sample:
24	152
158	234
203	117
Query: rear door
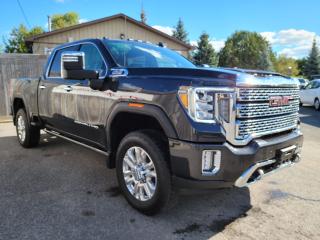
316	90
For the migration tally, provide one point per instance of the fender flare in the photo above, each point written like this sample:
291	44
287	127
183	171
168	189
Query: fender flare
25	107
148	110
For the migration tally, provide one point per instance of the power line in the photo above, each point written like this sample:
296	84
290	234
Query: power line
23	13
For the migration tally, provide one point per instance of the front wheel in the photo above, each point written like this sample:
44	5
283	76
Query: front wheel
28	136
143	172
317	104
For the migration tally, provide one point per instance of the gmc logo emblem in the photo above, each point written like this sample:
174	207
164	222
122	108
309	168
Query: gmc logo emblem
277	101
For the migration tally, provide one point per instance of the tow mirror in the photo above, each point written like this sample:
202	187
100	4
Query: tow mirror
73	67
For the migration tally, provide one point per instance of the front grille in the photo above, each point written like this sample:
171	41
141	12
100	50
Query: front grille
264	126
263	94
254	116
249	110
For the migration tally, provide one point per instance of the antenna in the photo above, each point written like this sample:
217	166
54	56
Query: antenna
143	14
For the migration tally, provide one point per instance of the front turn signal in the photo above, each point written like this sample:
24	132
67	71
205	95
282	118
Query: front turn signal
183	96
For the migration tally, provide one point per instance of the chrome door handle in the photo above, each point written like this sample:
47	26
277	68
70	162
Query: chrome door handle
68	88
42	87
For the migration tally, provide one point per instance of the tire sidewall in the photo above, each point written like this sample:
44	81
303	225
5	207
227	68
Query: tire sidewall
315	104
163	187
22	113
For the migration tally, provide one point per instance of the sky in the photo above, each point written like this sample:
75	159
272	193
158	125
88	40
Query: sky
289	25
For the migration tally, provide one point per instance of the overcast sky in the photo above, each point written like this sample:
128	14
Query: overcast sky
289	25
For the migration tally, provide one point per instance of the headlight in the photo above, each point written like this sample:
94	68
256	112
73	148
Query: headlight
200	103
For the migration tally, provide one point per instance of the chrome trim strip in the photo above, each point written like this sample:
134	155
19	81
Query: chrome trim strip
216	163
76	142
118	72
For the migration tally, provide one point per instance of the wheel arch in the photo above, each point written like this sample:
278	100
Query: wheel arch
135	118
17	104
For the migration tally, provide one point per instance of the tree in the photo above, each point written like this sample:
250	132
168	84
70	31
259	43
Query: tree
302	66
205	53
179	32
64	20
245	49
16	42
312	66
286	66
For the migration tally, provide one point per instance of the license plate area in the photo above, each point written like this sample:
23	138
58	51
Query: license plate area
285	155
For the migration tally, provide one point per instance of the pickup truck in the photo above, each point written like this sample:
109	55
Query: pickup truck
159	120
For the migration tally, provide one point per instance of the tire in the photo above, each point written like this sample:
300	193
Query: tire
152	150
317	104
28	136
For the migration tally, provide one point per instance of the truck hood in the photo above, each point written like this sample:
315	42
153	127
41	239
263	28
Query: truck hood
218	75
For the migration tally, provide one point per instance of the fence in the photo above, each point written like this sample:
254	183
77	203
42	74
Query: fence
15	66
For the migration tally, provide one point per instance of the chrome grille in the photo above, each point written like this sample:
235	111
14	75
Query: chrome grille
254	116
263	94
249	110
259	127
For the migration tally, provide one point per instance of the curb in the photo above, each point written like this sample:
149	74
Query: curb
5	119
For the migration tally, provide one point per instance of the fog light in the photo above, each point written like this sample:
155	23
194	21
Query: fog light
211	160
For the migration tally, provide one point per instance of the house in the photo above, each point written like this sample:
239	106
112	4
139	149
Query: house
118	26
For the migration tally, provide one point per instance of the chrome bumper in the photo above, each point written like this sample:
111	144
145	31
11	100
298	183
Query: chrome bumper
247	177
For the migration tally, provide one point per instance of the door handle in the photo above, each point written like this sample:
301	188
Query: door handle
68	88
42	87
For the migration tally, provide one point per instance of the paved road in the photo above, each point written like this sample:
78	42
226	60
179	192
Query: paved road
62	191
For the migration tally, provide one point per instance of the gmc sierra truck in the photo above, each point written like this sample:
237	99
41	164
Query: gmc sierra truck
159	120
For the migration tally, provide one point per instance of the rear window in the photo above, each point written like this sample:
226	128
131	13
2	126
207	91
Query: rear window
55	68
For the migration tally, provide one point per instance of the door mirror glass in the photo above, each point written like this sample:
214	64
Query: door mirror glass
73	66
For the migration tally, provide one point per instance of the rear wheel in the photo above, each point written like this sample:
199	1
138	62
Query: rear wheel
28	136
143	173
317	104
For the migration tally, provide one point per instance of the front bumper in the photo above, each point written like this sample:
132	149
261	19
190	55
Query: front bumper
236	162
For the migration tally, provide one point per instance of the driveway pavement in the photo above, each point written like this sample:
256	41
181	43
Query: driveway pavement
62	191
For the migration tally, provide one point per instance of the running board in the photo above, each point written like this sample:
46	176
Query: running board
76	142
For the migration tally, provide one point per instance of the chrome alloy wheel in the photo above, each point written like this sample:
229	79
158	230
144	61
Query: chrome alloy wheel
139	173
21	128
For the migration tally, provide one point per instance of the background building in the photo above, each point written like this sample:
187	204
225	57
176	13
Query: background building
117	26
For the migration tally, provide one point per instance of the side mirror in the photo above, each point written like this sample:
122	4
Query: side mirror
72	67
302	87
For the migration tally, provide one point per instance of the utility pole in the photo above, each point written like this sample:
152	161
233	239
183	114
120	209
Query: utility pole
49	23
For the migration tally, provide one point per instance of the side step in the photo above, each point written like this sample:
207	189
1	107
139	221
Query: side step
76	142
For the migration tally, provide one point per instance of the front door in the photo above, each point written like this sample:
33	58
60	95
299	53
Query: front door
89	106
52	94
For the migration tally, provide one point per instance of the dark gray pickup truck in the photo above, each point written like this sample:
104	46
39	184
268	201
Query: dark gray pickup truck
160	120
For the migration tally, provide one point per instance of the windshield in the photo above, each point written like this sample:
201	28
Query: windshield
144	55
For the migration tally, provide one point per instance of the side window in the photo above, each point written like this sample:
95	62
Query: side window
55	68
93	59
309	86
